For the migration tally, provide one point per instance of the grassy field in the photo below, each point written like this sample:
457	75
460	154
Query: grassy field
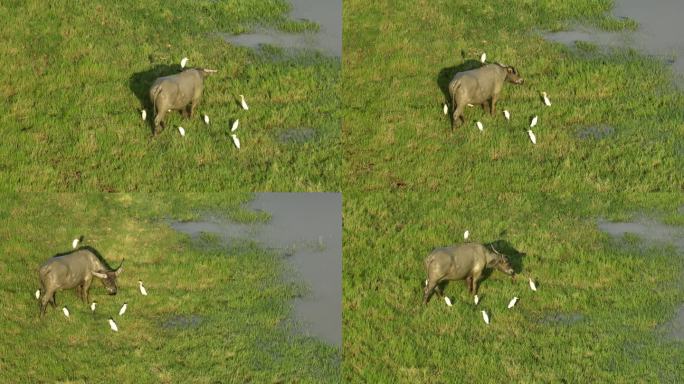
212	314
75	76
600	304
399	55
595	318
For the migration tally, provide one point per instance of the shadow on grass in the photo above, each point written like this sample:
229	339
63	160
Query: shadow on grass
140	83
514	256
446	74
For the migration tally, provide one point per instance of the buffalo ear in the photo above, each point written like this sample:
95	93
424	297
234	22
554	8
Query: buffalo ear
100	275
510	69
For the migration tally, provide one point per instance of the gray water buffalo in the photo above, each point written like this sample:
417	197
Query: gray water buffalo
465	261
75	270
479	86
179	92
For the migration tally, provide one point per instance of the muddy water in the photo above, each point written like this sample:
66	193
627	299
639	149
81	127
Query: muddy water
660	31
328	39
654	232
307	227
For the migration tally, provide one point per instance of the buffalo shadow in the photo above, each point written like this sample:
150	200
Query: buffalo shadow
140	83
514	256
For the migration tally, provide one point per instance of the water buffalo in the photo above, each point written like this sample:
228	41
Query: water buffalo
480	87
180	92
465	261
75	269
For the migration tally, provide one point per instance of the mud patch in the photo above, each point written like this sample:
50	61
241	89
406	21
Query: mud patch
183	322
596	132
327	14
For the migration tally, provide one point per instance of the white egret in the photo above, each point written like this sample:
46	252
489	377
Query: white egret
483	58
112	325
470	105
143	291
37	294
476	299
123	309
446	109
447	301
533	138
485	317
144	114
533	122
182	131
206	119
480	126
507	114
243	103
512	302
236	141
183	62
66	311
546	99
466	234
532	285
92	306
235	125
74	243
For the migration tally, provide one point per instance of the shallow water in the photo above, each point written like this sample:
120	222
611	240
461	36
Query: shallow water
654	232
660	31
328	39
596	132
563	318
307	227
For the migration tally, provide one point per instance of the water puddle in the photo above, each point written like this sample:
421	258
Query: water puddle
183	322
307	228
596	132
297	135
653	232
562	318
328	39
649	230
660	31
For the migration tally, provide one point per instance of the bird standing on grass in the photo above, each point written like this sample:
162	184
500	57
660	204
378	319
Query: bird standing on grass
143	291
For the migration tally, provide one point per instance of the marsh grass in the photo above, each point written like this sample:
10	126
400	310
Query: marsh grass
213	314
398	54
75	76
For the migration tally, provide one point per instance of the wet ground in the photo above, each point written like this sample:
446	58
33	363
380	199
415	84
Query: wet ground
651	232
660	31
596	132
307	229
328	39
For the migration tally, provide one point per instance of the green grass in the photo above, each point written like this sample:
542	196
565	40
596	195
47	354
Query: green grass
74	75
396	137
622	293
241	297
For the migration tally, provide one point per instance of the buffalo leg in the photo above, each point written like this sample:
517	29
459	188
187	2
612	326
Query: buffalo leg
159	121
485	106
476	279
193	105
456	117
493	110
428	291
86	291
48	297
